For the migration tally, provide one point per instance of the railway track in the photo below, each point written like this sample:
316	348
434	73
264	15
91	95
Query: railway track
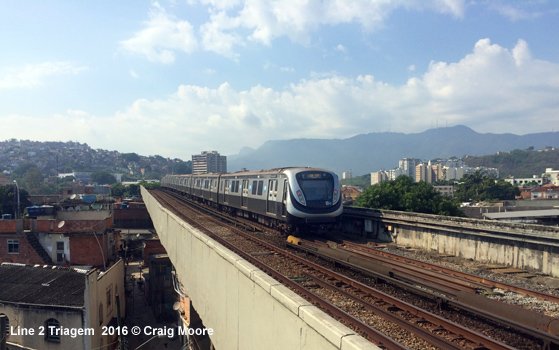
450	291
311	280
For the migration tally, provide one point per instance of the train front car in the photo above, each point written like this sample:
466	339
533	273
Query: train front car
314	197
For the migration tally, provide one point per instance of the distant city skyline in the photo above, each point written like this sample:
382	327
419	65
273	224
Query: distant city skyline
172	78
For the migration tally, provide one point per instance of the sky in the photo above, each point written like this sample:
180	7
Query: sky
175	78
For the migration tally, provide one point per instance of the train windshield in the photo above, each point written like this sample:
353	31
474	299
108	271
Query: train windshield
317	186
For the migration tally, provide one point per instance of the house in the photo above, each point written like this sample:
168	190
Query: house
53	307
548	191
350	193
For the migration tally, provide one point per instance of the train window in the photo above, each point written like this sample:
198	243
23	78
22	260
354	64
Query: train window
317	186
254	187
260	185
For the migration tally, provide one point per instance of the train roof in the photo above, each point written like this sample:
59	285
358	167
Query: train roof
257	172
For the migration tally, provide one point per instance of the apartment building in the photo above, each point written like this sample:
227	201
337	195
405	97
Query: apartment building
209	162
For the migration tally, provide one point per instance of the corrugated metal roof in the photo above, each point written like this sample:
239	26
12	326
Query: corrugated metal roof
42	285
522	214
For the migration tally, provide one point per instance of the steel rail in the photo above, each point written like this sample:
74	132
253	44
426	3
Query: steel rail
442	323
371	333
476	279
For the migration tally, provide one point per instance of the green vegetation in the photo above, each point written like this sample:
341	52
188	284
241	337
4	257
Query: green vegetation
8	199
131	157
404	194
102	178
363	181
478	187
518	163
182	168
119	190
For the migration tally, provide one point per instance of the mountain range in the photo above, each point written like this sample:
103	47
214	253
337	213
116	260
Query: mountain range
366	153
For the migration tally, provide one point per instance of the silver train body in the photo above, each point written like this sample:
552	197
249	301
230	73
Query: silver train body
283	198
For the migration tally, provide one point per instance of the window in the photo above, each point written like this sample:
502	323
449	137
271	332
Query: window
60	252
254	187
52	330
260	185
13	246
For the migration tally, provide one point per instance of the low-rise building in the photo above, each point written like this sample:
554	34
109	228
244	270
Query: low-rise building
538	180
63	308
350	193
548	191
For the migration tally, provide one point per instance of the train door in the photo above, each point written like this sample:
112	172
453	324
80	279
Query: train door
244	194
272	196
284	198
213	191
225	190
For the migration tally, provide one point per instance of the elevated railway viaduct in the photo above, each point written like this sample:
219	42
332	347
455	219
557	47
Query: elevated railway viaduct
522	246
247	309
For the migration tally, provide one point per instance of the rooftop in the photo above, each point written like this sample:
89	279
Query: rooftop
42	285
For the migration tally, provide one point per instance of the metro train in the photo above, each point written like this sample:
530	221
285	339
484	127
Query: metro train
285	198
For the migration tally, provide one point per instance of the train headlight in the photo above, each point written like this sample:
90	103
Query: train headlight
336	196
301	197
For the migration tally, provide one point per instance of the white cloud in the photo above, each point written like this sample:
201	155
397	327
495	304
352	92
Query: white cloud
162	36
32	75
267	20
514	13
493	89
340	48
235	23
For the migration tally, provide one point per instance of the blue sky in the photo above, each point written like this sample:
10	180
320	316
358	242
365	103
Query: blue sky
175	78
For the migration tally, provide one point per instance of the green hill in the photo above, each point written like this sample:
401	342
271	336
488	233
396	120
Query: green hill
518	163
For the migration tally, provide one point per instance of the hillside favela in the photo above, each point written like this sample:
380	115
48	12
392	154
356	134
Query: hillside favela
279	175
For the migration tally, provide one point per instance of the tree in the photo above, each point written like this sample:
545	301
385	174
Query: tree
131	157
478	187
406	195
118	190
102	178
182	168
150	185
8	199
20	171
133	190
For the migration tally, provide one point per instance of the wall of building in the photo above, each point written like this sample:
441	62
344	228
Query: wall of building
26	255
152	246
245	307
35	318
132	218
11	226
101	292
86	249
49	243
72	226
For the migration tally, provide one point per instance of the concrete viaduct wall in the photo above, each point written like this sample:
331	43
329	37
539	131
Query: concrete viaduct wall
246	308
523	246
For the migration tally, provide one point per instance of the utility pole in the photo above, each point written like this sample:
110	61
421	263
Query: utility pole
17	211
